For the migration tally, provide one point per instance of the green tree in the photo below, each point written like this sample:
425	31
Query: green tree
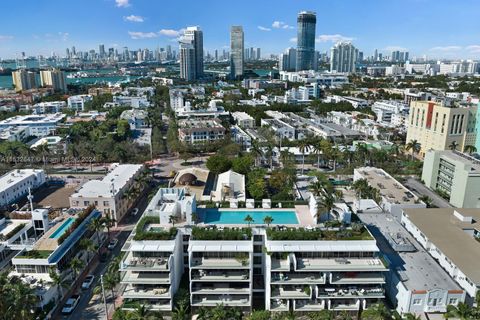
413	146
59	281
242	164
218	163
248	219
75	266
303	147
376	312
96	225
462	312
470	149
88	246
268	220
453	146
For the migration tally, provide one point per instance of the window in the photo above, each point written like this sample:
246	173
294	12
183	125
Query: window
417	302
86	203
452	301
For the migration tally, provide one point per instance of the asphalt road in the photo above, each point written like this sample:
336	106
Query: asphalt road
420	189
91	306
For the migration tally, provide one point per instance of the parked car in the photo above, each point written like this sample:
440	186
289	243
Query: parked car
112	244
88	281
134	211
71	304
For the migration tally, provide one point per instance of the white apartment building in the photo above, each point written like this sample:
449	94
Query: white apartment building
137	119
310	76
108	194
213	110
134	102
78	102
386	109
20	133
282	129
450	235
357	103
394	196
200	131
243	119
49	107
16	183
241	137
38	125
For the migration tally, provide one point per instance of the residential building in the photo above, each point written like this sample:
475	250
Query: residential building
200	131
54	78
288	60
357	103
451	236
15	133
343	57
243	119
136	102
241	137
38	125
230	186
193	36
385	109
137	118
52	252
109	195
78	102
282	129
310	76
49	107
213	110
16	184
24	80
454	173
306	23
187	61
55	144
393	196
236	52
437	127
411	95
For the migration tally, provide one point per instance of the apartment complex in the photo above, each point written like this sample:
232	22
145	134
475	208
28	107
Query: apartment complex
56	79
38	125
243	119
436	127
200	131
24	80
16	184
451	236
109	195
454	173
78	102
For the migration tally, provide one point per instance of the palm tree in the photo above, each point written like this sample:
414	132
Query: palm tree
268	220
96	225
181	312
411	316
59	281
76	265
376	312
248	219
110	281
72	150
44	150
303	146
427	200
88	246
269	155
470	149
172	219
141	312
321	315
453	146
414	146
219	312
462	311
108	222
318	150
257	151
326	201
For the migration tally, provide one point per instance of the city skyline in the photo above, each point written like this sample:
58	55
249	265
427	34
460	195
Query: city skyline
417	26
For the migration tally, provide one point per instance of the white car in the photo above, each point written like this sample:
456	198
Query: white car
112	244
134	211
71	304
88	282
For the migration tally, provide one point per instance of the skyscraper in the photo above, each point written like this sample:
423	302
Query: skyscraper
343	57
259	55
101	50
288	60
24	80
306	22
187	61
54	78
194	36
236	52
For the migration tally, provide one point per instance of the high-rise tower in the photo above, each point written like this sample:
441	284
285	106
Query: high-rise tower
306	22
236	52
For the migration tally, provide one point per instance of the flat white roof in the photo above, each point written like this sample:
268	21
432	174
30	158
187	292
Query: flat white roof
113	181
33	119
153	245
15	176
219	246
322	246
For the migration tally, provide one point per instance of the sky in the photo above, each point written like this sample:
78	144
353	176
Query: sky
436	28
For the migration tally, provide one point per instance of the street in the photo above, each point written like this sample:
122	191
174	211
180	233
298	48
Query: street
420	189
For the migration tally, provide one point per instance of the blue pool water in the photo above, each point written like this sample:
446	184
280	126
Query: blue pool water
216	216
61	230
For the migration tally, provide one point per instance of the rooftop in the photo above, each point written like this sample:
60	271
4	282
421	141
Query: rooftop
15	176
449	234
33	119
465	159
417	270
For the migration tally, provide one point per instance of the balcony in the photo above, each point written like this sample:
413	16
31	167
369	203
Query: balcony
344	305
298	278
146	278
291	292
144	264
218	263
332	293
354	278
223	276
146	292
340	264
220	288
280	264
309	305
228	301
154	305
279	305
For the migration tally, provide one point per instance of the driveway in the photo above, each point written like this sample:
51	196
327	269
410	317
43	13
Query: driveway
420	190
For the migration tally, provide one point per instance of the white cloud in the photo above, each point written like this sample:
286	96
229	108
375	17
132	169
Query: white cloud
142	35
5	37
133	18
293	39
122	3
395	48
170	32
281	25
264	29
64	36
332	38
473	48
446	48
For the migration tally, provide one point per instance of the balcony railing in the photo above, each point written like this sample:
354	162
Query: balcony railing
139	292
219	289
229	301
146	278
217	263
353	278
308	305
131	263
290	292
340	264
205	275
350	293
298	278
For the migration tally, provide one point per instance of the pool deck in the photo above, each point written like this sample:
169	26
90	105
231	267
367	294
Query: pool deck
47	243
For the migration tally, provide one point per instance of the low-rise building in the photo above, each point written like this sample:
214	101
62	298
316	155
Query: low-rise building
137	119
16	184
55	144
200	131
357	103
131	101
78	102
243	119
213	110
454	173
241	137
16	133
38	125
109	195
311	76
386	109
49	107
450	235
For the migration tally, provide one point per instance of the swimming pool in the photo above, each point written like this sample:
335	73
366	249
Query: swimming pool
61	230
216	216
